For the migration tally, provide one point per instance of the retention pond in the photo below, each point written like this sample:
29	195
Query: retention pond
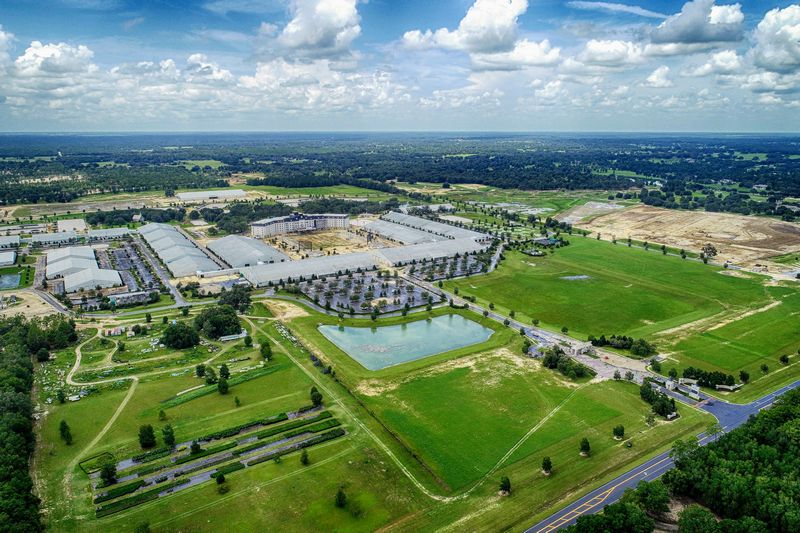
384	346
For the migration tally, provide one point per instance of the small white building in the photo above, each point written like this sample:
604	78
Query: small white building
205	196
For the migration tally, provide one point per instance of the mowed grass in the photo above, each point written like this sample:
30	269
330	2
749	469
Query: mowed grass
752	340
621	290
462	420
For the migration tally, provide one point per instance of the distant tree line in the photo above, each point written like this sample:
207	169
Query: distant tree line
125	216
338	205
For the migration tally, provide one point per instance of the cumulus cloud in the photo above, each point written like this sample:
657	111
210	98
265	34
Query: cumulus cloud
524	54
659	78
489	26
610	53
612	7
777	40
701	22
321	28
724	62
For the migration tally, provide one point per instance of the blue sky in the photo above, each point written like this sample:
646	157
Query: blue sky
573	65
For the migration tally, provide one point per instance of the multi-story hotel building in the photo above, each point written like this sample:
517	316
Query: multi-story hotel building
298	222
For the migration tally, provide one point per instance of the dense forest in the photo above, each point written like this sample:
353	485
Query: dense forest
753	174
20	341
749	477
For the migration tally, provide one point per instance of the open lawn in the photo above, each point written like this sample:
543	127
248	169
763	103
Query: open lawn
595	288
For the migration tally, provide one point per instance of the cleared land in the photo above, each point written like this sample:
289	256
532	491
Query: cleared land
744	240
695	313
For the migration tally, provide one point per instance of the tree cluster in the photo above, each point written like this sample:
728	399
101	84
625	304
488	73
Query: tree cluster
662	404
708	379
639	347
555	358
217	320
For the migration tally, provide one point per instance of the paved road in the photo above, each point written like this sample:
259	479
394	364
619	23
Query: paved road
730	416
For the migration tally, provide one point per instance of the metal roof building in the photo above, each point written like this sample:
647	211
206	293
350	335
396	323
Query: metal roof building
84	252
54	238
180	255
69	265
110	233
11	241
8	258
429	250
262	275
91	278
430	226
198	196
240	251
400	233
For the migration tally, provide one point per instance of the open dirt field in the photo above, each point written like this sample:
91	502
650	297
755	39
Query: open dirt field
744	240
28	303
587	210
319	243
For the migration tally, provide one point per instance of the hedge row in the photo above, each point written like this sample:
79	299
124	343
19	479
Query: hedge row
204	453
120	490
330	435
300	422
127	503
227	469
241	378
230	432
326	424
152	455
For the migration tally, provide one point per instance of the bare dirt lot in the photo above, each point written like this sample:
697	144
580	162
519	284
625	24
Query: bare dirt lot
743	240
587	210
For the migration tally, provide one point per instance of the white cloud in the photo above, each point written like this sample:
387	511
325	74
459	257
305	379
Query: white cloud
777	40
610	53
321	28
524	54
6	39
724	62
551	91
132	23
761	82
659	78
490	26
223	7
701	22
612	7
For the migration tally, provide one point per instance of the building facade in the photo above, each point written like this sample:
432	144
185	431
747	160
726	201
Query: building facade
298	222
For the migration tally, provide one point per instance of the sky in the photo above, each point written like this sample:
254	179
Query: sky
410	65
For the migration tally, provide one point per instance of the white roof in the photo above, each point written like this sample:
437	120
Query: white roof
400	233
108	233
431	226
190	265
8	258
45	238
153	226
176	252
429	250
211	195
69	265
12	240
85	252
90	278
261	275
239	251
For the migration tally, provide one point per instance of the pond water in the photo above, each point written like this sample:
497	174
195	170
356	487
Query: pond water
9	281
380	347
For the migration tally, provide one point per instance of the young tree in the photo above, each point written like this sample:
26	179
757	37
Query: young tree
169	435
341	498
744	376
764	369
316	397
784	359
195	448
565	330
220	479
185	310
224	373
164	319
248	341
586	450
617	375
148	318
60	396
266	350
547	465
211	376
120	347
237	401
108	472
66	434
619	431
162	415
673	373
147	437
222	386
304	458
200	370
505	485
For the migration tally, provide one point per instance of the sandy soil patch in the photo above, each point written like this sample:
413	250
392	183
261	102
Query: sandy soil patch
320	243
743	240
587	210
284	310
746	314
31	305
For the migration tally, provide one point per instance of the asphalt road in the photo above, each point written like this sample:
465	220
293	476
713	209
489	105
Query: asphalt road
730	416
